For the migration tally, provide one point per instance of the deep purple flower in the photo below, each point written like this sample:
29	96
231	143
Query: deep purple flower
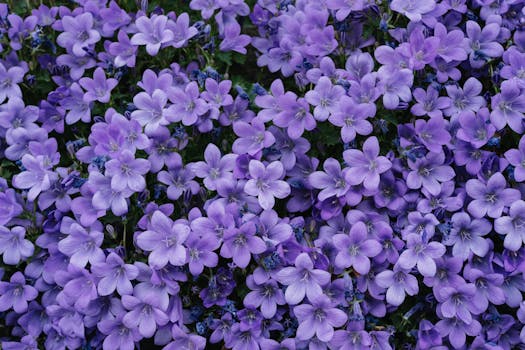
433	133
354	249
457	330
16	293
164	239
490	198
13	245
302	280
366	166
332	181
318	319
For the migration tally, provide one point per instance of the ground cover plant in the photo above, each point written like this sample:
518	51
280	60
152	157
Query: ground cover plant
262	174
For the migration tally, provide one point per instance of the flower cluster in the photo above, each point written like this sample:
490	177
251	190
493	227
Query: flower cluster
262	175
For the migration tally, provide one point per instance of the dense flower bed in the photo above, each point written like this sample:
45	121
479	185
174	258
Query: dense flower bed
270	174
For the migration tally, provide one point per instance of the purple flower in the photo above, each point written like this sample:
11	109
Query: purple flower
124	51
240	243
78	34
187	106
164	239
398	283
458	301
10	208
482	43
294	115
266	295
318	319
466	99
145	313
325	98
490	198
217	95
456	330
396	84
421	254
252	137
183	340
127	172
516	157
118	335
508	107
182	32
37	176
354	249
433	134
81	246
9	79
14	246
265	183
115	275
475	128
214	169
351	118
344	8
428	172
15	293
466	236
105	197
234	40
429	103
512	226
152	32
332	181
99	88
302	280
366	166
179	181
412	9
201	251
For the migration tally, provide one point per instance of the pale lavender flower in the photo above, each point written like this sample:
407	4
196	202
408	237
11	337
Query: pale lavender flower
16	293
508	107
265	183
115	275
318	319
13	245
512	226
366	166
164	239
99	88
398	283
421	254
215	168
152	111
9	79
187	106
325	97
240	243
413	9
516	157
37	177
82	246
78	34
152	32
302	280
252	137
490	198
127	172
182	32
